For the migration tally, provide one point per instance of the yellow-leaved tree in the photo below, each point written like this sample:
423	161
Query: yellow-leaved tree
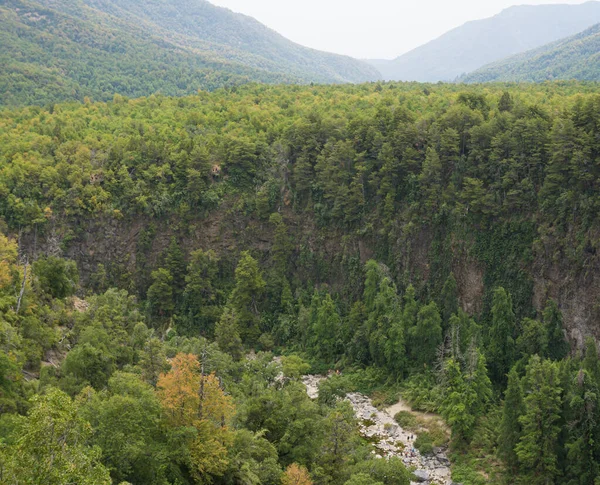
8	258
191	399
296	475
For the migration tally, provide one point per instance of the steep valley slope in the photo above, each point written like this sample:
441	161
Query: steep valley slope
479	190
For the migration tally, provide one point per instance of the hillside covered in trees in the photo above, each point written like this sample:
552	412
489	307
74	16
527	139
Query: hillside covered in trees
434	241
577	57
480	42
57	50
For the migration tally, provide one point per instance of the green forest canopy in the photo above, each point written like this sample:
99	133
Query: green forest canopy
200	228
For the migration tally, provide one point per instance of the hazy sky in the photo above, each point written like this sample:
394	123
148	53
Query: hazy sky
369	28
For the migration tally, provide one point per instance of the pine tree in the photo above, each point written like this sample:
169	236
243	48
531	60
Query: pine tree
160	293
202	273
533	339
506	102
307	319
356	332
385	315
246	296
395	344
303	176
477	378
510	427
537	448
277	275
450	148
563	146
583	448
458	402
175	263
202	294
591	361
430	181
558	347
287	299
340	442
501	346
426	336
355	200
282	245
325	330
227	334
388	180
449	300
467	393
372	280
466	330
410	308
153	361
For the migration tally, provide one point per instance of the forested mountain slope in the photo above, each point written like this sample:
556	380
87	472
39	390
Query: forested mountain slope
62	50
239	38
477	43
441	241
577	57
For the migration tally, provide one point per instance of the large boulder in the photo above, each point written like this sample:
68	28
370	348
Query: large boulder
421	475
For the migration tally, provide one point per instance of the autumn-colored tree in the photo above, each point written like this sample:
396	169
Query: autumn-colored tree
191	399
296	475
178	390
8	256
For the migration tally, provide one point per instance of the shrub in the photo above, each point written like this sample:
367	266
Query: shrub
406	420
424	443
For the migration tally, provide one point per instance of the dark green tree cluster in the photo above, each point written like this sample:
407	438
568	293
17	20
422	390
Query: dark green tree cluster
549	430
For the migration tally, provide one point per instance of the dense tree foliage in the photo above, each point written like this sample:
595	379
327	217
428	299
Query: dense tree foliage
156	253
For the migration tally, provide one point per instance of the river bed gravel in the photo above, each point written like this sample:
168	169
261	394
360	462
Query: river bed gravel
389	438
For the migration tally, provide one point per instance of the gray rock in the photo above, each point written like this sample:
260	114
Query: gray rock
421	475
391	440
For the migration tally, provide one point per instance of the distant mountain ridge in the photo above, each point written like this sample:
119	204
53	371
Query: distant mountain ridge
198	22
576	57
478	43
57	50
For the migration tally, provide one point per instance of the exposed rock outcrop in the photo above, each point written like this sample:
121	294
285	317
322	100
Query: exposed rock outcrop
389	439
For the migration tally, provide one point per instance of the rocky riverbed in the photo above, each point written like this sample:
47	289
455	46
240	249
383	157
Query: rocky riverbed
390	439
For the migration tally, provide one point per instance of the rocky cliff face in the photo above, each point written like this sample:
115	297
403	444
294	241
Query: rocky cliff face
575	289
127	247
